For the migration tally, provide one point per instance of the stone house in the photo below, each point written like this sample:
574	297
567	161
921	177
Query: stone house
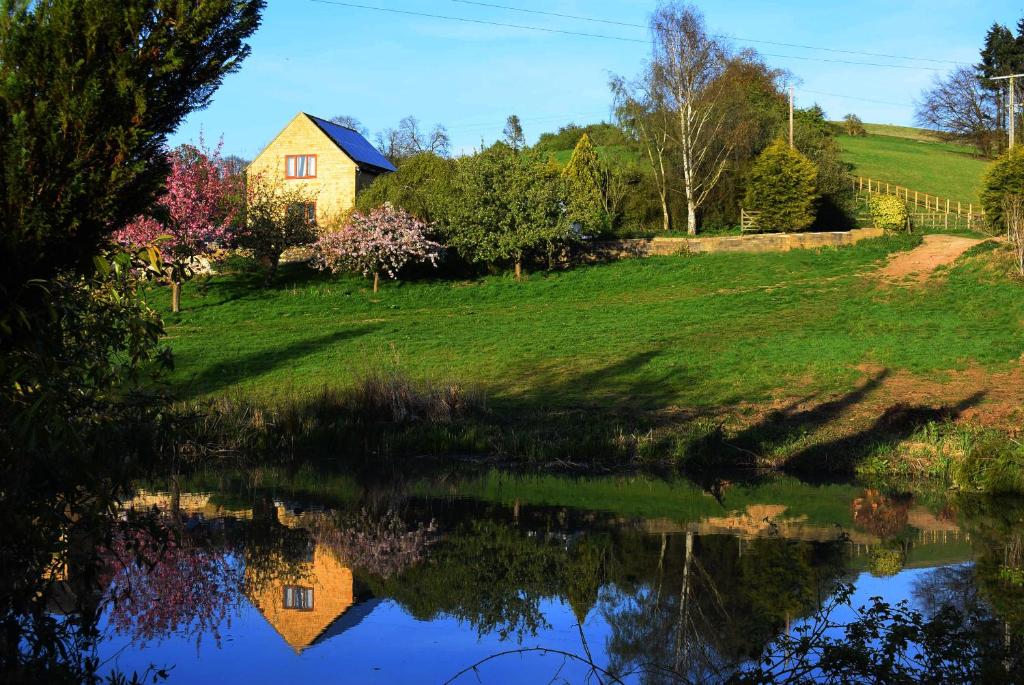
331	163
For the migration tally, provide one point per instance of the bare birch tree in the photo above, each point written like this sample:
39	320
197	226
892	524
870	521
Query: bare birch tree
686	64
649	122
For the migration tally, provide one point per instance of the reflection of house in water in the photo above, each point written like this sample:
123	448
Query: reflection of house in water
312	604
309	600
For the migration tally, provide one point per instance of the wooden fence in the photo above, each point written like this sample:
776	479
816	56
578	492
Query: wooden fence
936	210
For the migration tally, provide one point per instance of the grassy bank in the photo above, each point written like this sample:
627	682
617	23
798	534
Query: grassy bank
804	360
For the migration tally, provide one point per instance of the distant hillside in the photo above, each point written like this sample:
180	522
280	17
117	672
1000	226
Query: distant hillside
913	158
903	132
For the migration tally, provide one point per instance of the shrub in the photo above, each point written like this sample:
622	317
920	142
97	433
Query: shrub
584	188
782	189
888	212
1004	176
385	240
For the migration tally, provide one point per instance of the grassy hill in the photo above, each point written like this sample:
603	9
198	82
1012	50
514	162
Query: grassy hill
907	157
711	330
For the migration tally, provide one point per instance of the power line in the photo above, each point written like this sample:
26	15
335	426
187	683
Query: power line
854	97
599	35
479	21
719	35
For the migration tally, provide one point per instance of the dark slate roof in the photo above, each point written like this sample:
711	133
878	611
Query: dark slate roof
354	145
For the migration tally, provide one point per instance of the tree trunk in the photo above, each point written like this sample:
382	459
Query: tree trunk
691	218
519	269
666	219
376	281
175	297
272	263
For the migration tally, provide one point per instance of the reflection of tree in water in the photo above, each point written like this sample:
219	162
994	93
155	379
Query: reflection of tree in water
164	580
706	605
379	544
485	572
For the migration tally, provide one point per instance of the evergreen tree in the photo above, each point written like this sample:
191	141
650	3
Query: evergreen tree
782	189
584	191
1003	54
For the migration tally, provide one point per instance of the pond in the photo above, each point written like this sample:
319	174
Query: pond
502	578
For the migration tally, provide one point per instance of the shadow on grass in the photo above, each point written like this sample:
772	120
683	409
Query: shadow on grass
228	373
815	440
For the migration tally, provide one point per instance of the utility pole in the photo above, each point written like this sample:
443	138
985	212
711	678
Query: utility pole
791	145
1011	105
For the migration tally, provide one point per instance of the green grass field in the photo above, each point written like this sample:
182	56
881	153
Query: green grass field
646	333
942	169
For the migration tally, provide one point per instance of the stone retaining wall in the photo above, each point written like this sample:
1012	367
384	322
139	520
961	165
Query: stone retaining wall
758	242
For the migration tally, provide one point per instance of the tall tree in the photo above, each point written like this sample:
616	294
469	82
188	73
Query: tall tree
644	116
1002	55
687	62
513	133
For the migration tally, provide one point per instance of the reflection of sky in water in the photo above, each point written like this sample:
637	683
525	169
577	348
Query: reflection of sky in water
390	646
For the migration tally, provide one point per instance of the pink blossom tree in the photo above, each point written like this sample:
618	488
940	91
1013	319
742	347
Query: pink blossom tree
190	218
382	241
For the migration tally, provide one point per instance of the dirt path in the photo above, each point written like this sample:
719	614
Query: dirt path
935	251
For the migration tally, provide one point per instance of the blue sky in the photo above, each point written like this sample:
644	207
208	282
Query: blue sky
329	59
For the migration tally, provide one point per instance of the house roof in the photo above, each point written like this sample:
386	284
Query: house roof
353	144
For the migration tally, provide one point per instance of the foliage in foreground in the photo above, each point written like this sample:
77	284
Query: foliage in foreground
89	92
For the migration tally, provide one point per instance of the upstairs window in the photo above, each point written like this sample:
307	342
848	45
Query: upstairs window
300	166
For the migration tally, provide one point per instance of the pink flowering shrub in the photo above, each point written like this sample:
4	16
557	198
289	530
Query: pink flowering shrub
190	216
382	241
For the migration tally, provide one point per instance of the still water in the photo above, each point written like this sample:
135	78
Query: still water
533	579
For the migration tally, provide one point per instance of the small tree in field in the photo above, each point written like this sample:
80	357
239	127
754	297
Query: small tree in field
854	126
189	217
276	217
384	240
506	206
782	189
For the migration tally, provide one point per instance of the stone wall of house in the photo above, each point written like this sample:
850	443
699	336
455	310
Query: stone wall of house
333	189
758	242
